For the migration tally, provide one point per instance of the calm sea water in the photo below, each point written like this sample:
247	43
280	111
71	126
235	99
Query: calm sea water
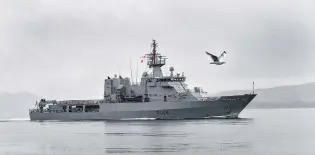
259	132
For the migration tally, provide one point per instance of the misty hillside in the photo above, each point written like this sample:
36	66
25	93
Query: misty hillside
281	97
16	105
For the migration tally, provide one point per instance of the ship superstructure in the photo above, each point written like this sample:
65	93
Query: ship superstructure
156	96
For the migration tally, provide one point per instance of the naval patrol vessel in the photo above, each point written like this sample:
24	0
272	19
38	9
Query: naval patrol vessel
157	96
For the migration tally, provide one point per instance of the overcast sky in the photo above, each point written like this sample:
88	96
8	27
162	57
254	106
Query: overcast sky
64	49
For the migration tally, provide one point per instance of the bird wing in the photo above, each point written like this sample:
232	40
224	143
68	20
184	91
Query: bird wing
214	58
222	55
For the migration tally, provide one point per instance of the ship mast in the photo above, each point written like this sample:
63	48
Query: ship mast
156	61
154	45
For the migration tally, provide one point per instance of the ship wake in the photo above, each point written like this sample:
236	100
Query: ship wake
137	119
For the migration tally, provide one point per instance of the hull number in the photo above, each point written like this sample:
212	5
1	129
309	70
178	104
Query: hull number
228	110
162	112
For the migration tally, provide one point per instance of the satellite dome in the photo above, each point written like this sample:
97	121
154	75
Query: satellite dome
171	69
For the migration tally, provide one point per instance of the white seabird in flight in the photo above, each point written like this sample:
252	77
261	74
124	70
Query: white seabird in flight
216	60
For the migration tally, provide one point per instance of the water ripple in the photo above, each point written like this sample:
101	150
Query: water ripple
147	134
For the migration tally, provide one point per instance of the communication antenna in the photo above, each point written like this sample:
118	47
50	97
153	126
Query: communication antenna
131	70
137	72
253	87
118	71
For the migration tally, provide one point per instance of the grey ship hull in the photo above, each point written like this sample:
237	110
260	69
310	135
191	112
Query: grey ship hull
228	106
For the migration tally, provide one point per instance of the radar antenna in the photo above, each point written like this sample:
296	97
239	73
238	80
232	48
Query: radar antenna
154	45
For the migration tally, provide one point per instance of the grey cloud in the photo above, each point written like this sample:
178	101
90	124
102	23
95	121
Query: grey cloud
274	48
58	41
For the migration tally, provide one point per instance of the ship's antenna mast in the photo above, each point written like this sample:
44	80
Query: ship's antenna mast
137	73
131	71
253	87
118	71
153	57
154	45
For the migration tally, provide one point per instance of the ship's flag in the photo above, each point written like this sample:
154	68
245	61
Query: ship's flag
142	58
